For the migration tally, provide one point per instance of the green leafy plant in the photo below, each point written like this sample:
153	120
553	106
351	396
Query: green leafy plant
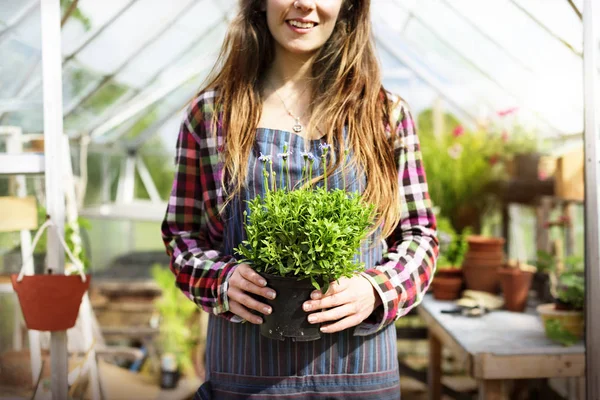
567	282
545	262
453	246
571	290
555	331
176	334
72	238
309	233
461	165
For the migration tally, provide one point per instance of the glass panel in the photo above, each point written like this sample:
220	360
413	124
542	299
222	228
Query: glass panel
76	79
160	110
29	30
114	46
19	62
31	121
205	51
166	49
558	17
540	51
105	97
474	58
10	9
75	33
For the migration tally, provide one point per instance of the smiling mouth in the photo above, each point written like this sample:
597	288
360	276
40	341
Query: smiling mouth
300	24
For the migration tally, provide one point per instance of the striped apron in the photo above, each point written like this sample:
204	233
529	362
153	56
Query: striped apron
240	363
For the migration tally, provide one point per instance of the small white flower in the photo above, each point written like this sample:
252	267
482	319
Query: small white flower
285	154
455	151
264	158
307	156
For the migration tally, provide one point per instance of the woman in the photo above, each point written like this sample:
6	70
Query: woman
299	73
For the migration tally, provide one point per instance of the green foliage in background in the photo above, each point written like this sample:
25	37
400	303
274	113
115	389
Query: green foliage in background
178	333
308	233
453	245
460	166
76	14
72	235
571	290
556	332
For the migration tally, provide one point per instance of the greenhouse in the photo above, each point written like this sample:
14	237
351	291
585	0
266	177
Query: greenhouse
505	97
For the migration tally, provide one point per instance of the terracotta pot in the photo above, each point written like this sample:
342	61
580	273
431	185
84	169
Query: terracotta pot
446	288
449	272
485	255
515	287
50	302
484	263
485	244
572	321
482	278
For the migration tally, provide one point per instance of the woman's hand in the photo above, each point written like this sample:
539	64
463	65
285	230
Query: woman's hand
349	302
245	280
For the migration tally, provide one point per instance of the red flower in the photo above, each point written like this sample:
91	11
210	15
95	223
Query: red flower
508	111
494	159
458	131
542	175
565	219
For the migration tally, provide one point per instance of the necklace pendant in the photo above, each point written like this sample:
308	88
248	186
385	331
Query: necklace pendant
297	126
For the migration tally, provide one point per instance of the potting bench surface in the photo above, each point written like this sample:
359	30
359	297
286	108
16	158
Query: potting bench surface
498	332
496	347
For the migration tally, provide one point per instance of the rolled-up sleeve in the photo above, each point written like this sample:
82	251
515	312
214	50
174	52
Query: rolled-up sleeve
192	229
403	276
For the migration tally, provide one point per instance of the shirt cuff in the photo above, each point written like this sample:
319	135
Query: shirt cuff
381	316
221	309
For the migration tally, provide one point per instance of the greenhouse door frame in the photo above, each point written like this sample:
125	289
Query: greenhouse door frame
592	205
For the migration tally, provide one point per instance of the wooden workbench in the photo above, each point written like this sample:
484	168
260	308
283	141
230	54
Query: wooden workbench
497	347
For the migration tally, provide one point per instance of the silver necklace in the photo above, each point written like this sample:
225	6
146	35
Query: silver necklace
298	127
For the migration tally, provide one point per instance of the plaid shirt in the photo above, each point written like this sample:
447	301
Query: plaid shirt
193	229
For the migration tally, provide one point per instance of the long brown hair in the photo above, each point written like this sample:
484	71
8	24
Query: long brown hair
347	93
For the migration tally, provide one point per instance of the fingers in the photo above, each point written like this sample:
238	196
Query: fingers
248	301
243	312
247	280
242	282
251	275
345	323
334	314
336	296
335	287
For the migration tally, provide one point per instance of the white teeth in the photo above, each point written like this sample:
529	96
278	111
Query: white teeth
303	25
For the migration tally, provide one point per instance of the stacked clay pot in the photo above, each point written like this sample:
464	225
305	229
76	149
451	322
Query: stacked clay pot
482	261
447	283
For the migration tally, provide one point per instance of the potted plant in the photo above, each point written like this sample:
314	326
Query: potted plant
176	338
461	166
564	320
50	302
448	279
515	279
301	240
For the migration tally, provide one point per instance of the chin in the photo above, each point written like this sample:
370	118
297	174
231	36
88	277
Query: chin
302	50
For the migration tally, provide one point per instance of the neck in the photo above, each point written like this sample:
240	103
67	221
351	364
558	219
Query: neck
292	70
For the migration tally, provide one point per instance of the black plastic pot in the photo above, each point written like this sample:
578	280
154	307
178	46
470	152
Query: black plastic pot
288	319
